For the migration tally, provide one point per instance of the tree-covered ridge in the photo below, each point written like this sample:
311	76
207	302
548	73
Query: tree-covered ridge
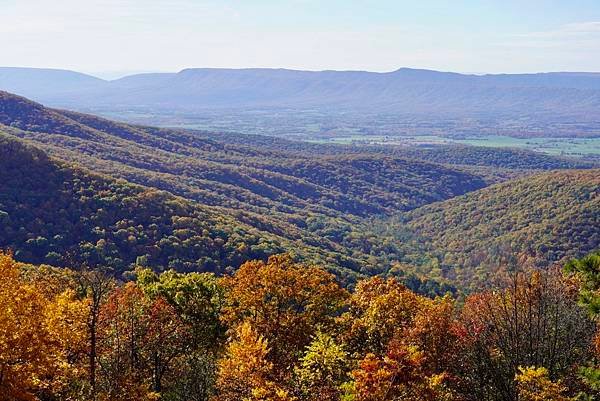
21	113
546	217
240	176
326	202
50	212
55	213
285	176
452	154
268	188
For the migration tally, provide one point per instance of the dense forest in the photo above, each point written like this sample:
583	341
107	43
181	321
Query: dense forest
55	213
211	201
49	211
221	172
140	263
281	331
547	217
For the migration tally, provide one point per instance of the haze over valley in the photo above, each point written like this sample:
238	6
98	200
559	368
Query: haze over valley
406	105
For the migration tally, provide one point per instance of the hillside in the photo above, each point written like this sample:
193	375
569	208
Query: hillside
216	171
545	218
49	211
449	154
56	213
498	158
329	203
273	193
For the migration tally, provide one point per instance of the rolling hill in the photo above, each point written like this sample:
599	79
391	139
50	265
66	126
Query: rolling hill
58	213
49	210
542	219
272	193
354	209
216	171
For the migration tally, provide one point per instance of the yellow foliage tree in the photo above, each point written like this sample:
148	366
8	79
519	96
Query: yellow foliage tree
245	373
533	384
379	310
40	336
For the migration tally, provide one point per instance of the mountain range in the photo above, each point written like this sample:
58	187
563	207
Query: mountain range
560	96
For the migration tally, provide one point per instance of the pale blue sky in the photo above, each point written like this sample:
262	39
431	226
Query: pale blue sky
110	37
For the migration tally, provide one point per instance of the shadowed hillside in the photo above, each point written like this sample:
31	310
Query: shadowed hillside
238	175
53	213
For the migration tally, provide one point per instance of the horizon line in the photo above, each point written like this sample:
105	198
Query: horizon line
125	73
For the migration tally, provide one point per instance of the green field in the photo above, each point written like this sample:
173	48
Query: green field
554	146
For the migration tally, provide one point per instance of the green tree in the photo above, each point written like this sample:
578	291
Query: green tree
323	369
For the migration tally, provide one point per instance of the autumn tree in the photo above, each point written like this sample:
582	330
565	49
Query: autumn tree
66	319
534	321
323	369
40	337
142	340
399	375
286	302
245	372
120	347
401	340
533	384
94	286
379	310
197	299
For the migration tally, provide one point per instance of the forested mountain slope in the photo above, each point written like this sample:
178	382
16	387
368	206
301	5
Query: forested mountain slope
246	196
50	211
216	172
544	219
55	213
503	158
451	154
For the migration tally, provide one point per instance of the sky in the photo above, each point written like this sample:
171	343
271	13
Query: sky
111	38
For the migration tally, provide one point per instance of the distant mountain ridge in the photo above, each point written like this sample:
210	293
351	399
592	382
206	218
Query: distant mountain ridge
45	82
404	91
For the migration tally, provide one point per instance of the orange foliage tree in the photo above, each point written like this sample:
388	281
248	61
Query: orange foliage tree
41	335
141	341
286	302
404	341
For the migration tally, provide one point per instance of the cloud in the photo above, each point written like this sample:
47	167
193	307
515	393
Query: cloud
573	34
